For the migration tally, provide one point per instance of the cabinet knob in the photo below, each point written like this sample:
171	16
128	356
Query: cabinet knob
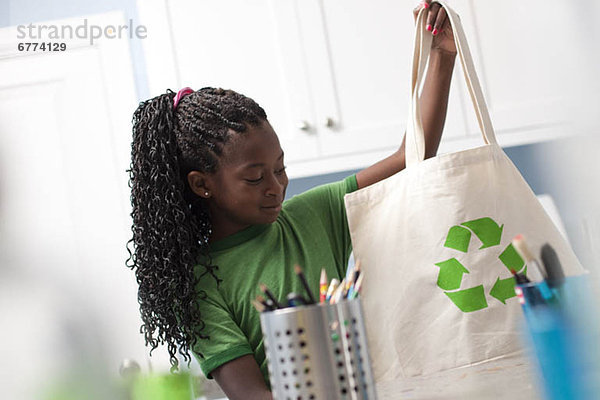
329	122
303	125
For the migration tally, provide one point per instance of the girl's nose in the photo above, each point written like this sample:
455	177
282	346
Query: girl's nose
275	186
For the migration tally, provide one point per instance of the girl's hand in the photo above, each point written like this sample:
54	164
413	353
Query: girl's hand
439	25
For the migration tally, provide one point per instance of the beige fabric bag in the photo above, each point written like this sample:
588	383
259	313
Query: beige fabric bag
434	244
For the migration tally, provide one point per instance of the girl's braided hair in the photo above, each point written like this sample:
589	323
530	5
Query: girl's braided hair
171	225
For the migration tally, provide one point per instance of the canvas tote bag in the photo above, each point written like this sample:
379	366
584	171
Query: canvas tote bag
434	244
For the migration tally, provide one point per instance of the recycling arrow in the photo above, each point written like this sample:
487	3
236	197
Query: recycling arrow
503	289
486	230
458	238
451	272
511	259
468	300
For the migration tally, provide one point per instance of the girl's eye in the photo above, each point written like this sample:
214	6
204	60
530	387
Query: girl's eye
254	180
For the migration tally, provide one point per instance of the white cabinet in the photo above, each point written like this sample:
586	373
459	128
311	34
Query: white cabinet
333	75
230	44
530	62
359	53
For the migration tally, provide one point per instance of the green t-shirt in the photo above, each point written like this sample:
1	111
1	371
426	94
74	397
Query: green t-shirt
311	231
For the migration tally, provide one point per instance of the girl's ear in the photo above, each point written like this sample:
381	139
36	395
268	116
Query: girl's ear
199	183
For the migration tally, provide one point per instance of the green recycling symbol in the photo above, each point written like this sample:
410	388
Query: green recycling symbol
451	270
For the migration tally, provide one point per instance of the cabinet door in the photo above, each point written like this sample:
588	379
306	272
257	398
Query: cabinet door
232	44
369	45
64	148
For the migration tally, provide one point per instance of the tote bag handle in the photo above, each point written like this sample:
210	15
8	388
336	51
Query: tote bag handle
415	138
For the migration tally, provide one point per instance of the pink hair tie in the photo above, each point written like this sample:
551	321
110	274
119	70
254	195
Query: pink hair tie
181	94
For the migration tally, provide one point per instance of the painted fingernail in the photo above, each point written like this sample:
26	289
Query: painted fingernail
428	27
435	32
425	5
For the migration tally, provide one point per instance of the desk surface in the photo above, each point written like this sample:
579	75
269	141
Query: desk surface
511	378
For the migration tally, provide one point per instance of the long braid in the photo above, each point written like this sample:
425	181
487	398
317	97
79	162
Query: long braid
171	226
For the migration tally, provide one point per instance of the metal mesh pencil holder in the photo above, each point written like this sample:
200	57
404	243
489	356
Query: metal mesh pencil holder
318	352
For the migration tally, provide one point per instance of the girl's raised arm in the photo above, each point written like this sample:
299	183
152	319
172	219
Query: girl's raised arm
434	97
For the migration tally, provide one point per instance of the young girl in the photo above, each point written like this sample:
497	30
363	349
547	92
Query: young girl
209	221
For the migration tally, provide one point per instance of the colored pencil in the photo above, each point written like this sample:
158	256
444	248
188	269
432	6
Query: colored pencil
258	305
261	300
332	286
323	286
267	303
338	293
354	274
269	294
349	276
300	274
520	245
356	288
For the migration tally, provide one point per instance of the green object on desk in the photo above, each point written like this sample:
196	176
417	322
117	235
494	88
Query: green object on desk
163	387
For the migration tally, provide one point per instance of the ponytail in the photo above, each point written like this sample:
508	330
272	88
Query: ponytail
166	237
171	225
